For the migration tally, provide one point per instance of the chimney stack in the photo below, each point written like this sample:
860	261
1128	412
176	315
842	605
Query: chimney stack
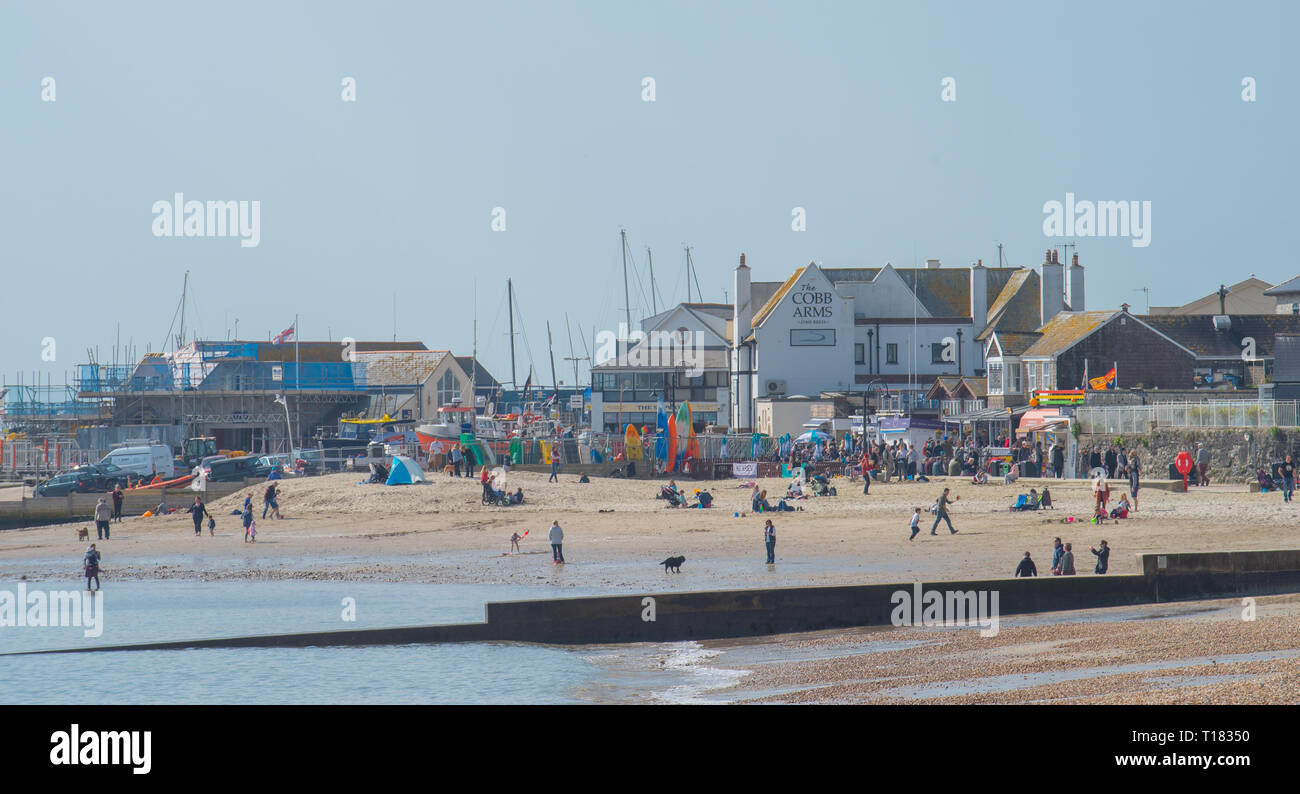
1074	285
979	296
1051	289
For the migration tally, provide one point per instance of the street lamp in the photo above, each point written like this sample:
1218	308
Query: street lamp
283	400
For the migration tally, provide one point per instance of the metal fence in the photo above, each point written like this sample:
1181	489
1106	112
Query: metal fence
1227	413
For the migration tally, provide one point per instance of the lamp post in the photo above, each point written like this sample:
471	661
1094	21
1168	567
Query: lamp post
284	400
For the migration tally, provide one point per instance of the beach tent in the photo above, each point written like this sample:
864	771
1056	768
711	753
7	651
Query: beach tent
404	472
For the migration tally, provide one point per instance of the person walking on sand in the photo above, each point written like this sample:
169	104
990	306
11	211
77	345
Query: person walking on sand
118	498
248	519
1134	477
555	465
915	526
941	513
455	459
1203	463
1026	567
769	540
270	501
1103	557
197	511
1058	551
90	566
1067	561
557	543
1288	478
102	515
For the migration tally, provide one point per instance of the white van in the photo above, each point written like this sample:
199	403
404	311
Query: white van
144	461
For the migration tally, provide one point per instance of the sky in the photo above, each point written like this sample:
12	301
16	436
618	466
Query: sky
904	130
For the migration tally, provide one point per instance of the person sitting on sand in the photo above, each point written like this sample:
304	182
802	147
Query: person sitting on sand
704	499
517	498
794	490
981	478
760	502
584	478
1121	507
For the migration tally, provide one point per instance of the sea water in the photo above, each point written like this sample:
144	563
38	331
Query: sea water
475	673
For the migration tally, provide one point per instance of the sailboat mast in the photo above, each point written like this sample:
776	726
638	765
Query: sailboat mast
572	356
180	339
627	300
510	291
654	304
550	346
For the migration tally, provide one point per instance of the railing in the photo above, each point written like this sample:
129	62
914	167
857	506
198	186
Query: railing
1227	413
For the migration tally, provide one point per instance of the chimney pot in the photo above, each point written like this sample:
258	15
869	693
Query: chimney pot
1074	260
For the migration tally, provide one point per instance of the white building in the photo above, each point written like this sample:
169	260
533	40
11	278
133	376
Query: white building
682	357
888	331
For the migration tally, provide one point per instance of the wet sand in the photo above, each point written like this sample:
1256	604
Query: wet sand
1183	653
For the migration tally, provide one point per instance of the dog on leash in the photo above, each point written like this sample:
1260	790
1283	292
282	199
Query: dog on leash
83	533
673	562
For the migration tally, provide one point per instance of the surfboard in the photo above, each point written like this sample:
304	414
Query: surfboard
693	446
671	457
683	430
661	431
632	444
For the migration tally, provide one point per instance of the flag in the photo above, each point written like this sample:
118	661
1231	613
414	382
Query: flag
283	335
1100	384
528	384
551	400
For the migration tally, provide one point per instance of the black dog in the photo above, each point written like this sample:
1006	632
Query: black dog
673	562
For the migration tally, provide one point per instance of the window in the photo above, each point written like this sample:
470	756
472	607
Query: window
1031	375
995	377
859	353
936	353
1013	373
448	388
891	353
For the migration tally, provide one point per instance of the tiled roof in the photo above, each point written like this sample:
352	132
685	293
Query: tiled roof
393	367
1065	329
1016	309
1197	332
772	302
1288	287
484	379
1014	344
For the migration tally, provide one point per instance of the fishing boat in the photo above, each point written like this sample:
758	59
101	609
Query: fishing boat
457	420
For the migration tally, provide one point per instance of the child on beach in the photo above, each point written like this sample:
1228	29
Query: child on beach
514	542
916	524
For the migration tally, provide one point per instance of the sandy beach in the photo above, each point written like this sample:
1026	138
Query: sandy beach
616	533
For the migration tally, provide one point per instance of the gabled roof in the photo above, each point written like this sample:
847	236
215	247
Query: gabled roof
393	367
1066	329
484	379
1016	309
1197	333
775	300
1011	343
1288	287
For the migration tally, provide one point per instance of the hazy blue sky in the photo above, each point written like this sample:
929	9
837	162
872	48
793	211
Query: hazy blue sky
537	107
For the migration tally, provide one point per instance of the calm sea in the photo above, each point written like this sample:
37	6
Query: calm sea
456	673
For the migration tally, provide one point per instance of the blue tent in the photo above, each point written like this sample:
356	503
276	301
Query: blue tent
404	471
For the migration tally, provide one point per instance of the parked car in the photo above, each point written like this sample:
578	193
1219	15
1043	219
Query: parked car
83	480
232	469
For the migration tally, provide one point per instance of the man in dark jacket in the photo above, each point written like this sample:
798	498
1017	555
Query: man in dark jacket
1026	567
1103	557
1058	461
